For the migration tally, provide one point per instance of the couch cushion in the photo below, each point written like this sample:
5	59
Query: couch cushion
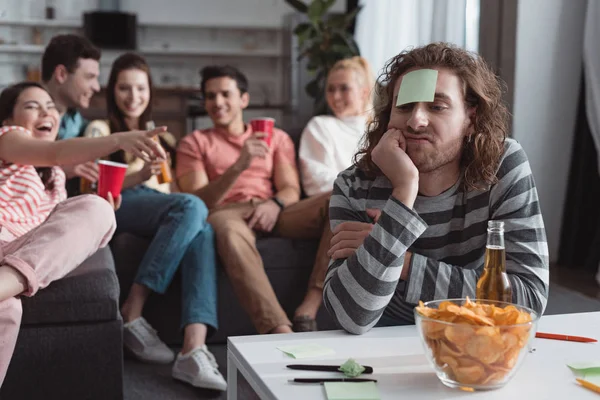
89	293
280	253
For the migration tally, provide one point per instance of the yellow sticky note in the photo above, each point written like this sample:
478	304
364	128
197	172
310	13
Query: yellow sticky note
417	86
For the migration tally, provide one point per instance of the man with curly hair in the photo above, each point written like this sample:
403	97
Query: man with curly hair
410	217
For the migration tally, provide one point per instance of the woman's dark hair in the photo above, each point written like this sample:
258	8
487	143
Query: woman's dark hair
116	119
8	101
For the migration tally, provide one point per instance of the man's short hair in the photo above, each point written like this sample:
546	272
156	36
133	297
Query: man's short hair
66	50
220	71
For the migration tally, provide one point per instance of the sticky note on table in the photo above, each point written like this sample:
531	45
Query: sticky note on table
417	86
351	391
306	350
588	371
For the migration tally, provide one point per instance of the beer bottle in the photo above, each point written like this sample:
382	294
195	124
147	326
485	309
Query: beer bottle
165	169
493	283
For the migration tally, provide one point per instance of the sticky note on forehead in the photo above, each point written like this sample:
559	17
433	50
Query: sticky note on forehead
417	86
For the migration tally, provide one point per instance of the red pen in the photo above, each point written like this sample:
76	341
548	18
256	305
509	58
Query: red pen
568	338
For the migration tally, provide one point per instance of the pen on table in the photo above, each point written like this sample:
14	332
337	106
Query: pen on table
588	385
331	368
569	338
323	380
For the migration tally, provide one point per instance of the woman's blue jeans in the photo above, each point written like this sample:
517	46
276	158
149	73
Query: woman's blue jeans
180	235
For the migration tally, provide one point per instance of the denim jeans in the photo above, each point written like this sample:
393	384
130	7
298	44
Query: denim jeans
180	235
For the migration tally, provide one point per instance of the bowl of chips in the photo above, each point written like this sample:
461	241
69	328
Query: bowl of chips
475	345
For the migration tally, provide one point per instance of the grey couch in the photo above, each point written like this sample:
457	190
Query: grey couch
70	343
288	264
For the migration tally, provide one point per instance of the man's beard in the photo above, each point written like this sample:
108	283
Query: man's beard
428	158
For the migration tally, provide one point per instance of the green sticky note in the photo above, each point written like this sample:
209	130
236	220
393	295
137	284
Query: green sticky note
588	371
351	391
417	86
306	350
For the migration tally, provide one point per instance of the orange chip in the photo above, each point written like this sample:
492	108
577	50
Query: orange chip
459	335
485	349
446	349
494	377
469	375
449	361
433	330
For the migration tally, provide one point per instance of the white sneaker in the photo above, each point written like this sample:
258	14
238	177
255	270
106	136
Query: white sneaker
141	339
199	368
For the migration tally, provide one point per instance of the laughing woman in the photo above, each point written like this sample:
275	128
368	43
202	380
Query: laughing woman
181	238
37	222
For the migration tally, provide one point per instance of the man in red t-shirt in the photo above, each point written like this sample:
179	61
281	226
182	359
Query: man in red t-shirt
251	187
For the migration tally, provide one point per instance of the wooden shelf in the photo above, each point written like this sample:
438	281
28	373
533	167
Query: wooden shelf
39	49
72	23
188	25
42	23
22	48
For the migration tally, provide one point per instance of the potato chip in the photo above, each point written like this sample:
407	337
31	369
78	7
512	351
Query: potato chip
494	377
448	360
433	330
486	349
511	357
469	375
446	349
479	346
468	362
458	334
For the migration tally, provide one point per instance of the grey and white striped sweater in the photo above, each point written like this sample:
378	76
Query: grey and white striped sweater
446	235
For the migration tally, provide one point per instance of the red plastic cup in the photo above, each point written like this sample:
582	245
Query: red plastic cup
111	177
263	125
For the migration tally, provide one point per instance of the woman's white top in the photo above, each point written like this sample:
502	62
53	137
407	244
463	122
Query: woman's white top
327	147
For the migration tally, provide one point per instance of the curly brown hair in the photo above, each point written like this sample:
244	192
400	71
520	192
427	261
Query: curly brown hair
481	89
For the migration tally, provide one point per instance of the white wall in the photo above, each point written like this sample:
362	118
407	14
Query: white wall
256	13
547	81
227	27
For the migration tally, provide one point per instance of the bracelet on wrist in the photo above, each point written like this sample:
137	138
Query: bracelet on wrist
278	202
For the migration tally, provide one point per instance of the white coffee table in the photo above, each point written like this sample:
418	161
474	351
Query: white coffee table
401	368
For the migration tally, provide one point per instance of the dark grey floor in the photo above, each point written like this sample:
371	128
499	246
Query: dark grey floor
570	291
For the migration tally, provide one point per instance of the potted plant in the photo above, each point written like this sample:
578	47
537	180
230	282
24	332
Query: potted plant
323	40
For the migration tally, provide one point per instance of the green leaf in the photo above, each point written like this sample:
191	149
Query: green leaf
298	5
304	32
327	5
348	40
315	11
301	28
352	15
337	21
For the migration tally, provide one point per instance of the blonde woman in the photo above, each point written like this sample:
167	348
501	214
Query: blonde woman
327	146
328	143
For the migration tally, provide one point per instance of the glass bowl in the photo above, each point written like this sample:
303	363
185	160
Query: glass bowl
469	353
